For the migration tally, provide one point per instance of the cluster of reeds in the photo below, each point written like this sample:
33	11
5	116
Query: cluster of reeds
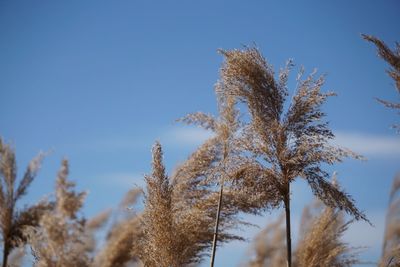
247	166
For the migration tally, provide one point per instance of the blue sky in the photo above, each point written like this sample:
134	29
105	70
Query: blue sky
99	81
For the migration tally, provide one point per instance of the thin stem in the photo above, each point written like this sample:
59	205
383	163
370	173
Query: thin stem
5	253
288	236
7	233
214	246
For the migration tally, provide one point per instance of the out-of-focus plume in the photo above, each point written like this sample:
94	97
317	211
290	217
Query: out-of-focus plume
13	220
59	240
391	242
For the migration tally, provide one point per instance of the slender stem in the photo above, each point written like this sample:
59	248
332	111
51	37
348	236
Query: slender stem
288	236
5	253
214	246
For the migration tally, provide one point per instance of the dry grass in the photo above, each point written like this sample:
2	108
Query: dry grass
13	220
252	162
293	143
179	212
124	234
391	243
269	248
159	248
229	165
60	240
320	243
117	251
392	57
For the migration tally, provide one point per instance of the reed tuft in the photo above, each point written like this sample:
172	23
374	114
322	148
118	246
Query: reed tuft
13	221
60	240
287	143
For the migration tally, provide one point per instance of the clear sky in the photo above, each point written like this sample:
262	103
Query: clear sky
99	81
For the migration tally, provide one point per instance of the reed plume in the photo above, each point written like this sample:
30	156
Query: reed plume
193	189
268	249
124	233
121	245
229	163
14	220
179	212
59	240
321	243
91	227
159	247
392	57
288	144
391	242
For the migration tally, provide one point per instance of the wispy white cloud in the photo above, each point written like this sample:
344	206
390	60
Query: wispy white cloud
364	143
186	136
369	144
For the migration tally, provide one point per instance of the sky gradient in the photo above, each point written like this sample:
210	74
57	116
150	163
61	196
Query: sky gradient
98	82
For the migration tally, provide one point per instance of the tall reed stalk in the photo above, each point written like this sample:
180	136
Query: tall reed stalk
291	142
288	233
224	127
215	238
